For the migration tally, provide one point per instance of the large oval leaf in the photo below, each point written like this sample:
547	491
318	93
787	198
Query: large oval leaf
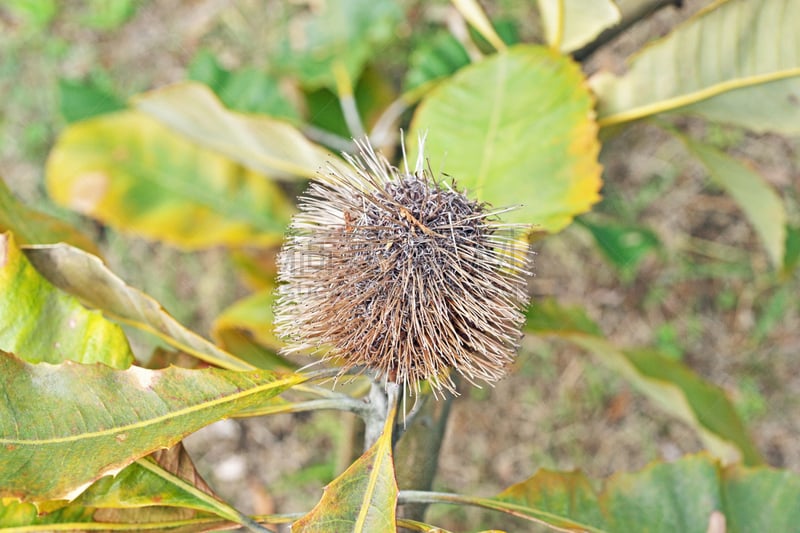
87	278
133	173
96	420
38	322
517	128
729	46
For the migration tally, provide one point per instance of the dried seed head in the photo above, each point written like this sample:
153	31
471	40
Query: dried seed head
394	272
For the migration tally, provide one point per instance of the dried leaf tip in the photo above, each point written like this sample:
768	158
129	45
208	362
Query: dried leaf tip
402	274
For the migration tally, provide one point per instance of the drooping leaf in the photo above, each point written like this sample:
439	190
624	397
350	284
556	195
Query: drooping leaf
363	498
759	201
729	45
96	420
87	278
32	227
270	146
473	13
771	106
667	497
131	172
672	385
39	322
80	100
245	329
348	31
570	24
517	128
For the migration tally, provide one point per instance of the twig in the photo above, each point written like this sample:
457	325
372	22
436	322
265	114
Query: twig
642	12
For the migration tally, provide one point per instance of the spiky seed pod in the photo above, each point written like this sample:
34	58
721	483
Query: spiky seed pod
396	272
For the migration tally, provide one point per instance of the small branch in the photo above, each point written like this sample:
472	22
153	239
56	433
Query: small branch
642	12
347	101
375	417
347	404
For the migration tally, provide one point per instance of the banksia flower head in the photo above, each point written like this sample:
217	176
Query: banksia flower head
402	274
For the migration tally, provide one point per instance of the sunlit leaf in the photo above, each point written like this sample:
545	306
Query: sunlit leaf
728	46
96	420
570	24
270	146
672	385
517	128
348	31
133	173
39	322
473	13
363	498
87	278
759	201
771	106
32	227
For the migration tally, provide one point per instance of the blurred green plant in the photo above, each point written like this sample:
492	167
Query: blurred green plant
215	163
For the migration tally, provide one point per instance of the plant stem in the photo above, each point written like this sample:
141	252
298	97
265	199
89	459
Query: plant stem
417	452
642	11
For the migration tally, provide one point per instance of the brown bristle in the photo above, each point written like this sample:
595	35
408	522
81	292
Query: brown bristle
397	273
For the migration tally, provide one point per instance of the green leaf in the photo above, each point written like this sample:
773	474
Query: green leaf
38	12
97	420
728	46
760	203
109	14
87	278
131	172
206	69
80	100
435	58
270	146
792	255
570	24
686	495
772	106
623	245
363	498
32	227
254	91
514	129
672	385
39	323
348	31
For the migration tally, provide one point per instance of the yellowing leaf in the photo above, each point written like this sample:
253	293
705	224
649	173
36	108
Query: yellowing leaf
570	24
38	322
133	173
517	128
86	421
729	45
363	498
267	145
87	278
